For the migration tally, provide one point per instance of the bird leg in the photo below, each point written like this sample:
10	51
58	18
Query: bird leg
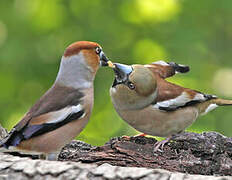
161	143
138	135
126	137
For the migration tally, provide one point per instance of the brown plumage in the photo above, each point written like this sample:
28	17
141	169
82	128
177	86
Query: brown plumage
76	47
168	90
165	111
64	110
165	70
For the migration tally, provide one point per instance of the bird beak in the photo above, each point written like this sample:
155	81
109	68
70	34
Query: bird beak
104	61
122	72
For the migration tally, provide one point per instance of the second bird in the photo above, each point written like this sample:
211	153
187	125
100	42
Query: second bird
154	106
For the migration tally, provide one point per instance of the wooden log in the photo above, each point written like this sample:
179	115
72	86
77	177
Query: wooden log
133	158
209	153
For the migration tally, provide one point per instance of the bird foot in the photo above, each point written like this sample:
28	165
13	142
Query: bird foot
126	138
138	135
159	145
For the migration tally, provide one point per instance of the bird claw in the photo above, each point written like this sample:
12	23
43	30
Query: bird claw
126	138
140	135
160	143
129	137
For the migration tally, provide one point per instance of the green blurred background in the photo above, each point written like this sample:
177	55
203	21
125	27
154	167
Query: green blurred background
34	34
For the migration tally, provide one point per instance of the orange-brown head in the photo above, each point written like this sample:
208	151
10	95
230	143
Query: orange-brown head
94	56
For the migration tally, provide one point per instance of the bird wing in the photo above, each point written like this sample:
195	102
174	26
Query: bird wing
58	106
167	69
171	96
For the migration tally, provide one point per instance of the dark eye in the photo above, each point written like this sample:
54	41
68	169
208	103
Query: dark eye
131	85
98	50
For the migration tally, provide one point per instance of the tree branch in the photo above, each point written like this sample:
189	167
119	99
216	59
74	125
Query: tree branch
207	153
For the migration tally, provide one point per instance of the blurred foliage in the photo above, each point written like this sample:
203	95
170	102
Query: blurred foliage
34	34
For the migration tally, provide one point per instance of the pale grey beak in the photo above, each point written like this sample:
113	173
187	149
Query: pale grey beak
122	72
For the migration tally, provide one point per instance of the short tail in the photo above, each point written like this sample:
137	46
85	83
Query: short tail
211	104
222	102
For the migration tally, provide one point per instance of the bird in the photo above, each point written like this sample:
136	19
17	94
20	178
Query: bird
64	110
143	97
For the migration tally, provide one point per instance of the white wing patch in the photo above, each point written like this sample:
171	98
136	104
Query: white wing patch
179	101
209	108
58	116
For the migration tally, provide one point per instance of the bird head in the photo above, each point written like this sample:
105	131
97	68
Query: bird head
80	63
134	86
90	52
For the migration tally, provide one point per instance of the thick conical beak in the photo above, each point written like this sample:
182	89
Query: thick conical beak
104	61
122	72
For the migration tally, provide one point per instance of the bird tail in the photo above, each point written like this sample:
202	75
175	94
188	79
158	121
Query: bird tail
222	102
211	104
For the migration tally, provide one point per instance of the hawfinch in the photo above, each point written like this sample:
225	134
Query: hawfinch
154	106
64	110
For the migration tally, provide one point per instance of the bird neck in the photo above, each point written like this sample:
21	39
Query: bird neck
74	72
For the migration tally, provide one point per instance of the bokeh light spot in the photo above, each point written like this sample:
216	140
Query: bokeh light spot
222	81
146	49
151	11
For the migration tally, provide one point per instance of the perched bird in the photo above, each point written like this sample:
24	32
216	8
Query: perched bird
64	110
154	106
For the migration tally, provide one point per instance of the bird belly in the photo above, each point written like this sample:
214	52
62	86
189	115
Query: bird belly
155	122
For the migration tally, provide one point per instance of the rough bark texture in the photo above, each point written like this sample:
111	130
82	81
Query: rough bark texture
207	153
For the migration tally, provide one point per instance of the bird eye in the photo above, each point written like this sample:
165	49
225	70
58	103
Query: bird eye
131	85
98	50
